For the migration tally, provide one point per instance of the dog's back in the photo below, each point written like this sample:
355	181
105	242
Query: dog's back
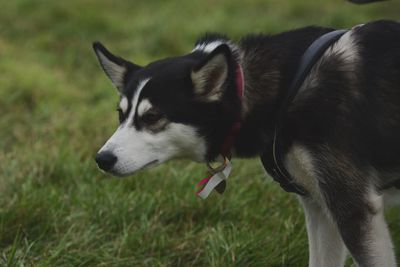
351	100
380	53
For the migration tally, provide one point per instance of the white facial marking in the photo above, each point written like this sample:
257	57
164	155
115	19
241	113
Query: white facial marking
137	149
114	71
123	104
144	106
135	100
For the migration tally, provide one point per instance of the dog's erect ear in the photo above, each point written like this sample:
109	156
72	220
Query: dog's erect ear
209	76
116	68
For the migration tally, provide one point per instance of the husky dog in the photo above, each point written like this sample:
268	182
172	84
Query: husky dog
341	141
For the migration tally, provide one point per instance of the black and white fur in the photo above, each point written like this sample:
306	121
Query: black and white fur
342	134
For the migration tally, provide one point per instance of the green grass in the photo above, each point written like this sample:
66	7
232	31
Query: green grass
57	108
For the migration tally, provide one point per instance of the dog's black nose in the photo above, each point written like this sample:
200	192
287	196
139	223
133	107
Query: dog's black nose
106	160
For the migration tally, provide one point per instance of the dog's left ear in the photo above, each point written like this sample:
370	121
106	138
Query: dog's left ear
210	75
116	68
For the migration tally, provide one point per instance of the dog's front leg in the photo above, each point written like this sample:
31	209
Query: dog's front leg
364	231
326	247
356	207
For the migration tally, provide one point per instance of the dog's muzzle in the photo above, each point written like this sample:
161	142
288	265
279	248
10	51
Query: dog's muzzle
106	160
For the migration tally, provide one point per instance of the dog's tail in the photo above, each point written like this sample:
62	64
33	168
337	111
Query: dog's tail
364	1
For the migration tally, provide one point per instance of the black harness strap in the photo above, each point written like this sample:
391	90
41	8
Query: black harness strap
307	61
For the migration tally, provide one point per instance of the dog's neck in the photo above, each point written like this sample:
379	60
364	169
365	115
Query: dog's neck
269	64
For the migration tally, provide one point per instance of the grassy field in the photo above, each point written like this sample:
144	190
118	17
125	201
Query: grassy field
57	109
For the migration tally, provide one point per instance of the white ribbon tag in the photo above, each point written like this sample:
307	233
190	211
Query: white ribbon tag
217	178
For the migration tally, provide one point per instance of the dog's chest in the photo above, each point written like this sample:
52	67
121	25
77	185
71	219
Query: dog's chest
299	163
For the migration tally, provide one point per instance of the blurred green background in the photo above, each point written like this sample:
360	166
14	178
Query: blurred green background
57	108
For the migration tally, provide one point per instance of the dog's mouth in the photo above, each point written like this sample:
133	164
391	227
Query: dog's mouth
145	166
149	164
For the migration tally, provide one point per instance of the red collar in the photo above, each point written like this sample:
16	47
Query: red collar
234	131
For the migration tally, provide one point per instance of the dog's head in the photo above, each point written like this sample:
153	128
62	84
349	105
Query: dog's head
181	107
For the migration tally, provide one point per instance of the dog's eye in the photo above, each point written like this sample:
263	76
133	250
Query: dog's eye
151	117
120	115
